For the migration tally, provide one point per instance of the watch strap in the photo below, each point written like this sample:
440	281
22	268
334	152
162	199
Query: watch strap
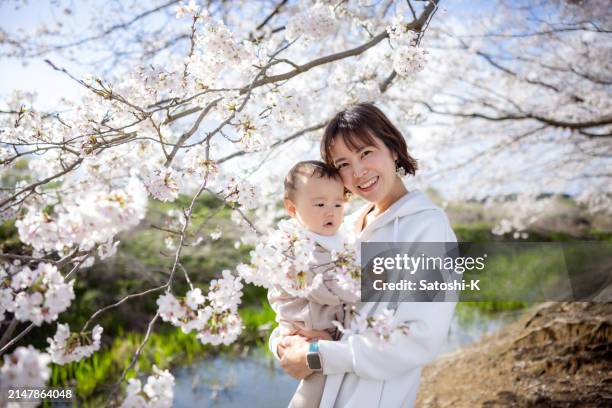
313	358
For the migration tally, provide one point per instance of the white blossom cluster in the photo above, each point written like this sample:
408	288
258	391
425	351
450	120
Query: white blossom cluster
37	295
347	268
399	32
595	201
213	317
288	109
219	58
196	165
517	216
163	183
251	130
381	326
367	91
158	392
408	59
284	258
216	234
66	347
26	367
242	192
314	23
186	9
85	219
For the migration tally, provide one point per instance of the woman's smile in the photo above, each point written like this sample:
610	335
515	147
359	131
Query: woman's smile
369	185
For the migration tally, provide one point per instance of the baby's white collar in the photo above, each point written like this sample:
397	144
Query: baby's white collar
329	242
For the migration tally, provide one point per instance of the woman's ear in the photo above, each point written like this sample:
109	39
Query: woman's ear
290	207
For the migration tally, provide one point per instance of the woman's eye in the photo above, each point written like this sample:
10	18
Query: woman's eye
365	153
341	165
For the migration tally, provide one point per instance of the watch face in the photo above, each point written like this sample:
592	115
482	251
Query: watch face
314	361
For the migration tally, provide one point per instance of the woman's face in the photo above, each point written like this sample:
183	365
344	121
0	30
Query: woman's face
368	172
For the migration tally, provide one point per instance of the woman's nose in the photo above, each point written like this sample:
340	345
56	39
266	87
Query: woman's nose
358	170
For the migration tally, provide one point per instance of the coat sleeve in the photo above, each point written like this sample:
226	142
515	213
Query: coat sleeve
428	325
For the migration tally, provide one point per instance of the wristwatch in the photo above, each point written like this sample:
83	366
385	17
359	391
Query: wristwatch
313	358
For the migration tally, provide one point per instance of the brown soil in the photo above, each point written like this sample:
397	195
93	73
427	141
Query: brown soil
558	355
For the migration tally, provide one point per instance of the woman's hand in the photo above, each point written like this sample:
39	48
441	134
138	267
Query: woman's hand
292	350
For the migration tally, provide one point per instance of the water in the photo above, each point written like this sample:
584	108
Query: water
257	380
466	329
234	382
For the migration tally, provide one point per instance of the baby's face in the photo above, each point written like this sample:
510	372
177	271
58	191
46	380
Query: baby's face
319	204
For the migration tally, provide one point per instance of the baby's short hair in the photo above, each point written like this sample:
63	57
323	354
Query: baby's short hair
308	168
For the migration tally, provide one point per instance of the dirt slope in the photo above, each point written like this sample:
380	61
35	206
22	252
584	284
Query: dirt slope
558	355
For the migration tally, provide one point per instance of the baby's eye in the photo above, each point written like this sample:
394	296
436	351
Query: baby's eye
338	205
319	205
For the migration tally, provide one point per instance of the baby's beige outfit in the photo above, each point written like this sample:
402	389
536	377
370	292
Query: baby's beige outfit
324	303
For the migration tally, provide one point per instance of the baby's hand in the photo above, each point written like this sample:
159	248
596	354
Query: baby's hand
288	332
314	334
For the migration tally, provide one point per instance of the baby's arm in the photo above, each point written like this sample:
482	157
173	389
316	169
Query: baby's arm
310	334
288	308
327	289
296	316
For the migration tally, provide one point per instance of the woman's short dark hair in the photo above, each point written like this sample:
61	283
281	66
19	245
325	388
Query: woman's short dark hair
358	125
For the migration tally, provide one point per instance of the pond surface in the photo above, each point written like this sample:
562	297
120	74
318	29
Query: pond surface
256	380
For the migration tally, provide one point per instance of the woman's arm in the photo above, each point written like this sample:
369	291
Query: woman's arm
372	359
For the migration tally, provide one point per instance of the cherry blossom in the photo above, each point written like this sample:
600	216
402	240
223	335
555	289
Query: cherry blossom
26	367
38	295
158	391
382	327
66	347
284	258
163	183
243	193
213	317
314	23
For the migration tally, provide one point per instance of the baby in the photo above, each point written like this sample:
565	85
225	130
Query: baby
314	196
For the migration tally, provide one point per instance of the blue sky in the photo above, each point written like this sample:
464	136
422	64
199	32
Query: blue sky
35	74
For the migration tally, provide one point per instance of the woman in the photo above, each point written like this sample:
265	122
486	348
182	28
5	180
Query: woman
371	156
